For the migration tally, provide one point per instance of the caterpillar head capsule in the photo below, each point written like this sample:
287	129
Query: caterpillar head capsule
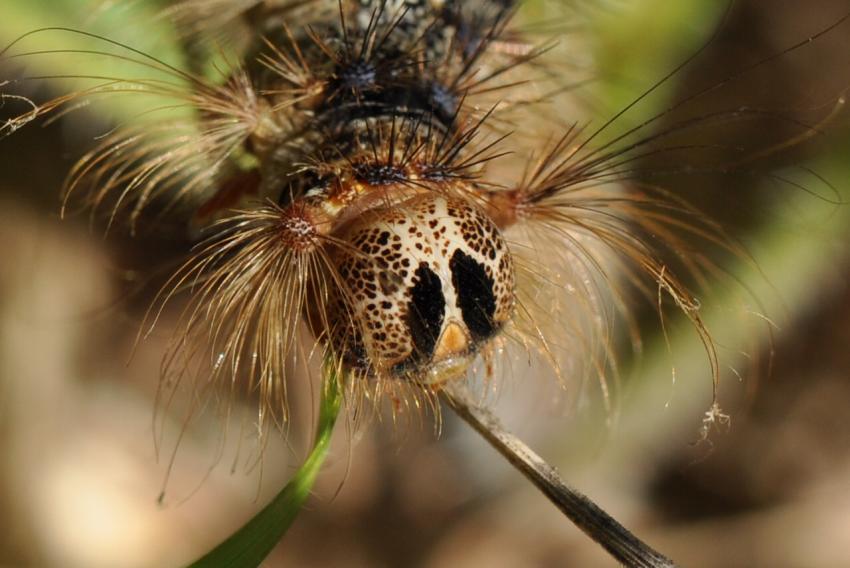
428	280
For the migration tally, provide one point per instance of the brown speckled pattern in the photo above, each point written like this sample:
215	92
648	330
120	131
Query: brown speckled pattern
392	243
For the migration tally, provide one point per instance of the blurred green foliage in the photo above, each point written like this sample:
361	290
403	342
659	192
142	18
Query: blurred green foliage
46	46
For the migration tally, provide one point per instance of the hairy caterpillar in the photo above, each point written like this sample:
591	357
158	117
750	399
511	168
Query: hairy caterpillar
343	124
355	145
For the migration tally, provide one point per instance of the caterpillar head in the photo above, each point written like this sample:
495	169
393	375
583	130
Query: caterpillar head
428	281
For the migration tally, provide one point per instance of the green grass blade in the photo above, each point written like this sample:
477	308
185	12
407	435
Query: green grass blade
248	546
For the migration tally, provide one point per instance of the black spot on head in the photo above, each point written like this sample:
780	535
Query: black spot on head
390	281
426	310
476	298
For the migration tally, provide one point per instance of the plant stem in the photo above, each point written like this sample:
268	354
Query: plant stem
249	546
592	520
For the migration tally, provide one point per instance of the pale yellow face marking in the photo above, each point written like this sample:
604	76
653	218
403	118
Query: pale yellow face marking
453	341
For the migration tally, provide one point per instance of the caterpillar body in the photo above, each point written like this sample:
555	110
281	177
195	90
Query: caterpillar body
359	192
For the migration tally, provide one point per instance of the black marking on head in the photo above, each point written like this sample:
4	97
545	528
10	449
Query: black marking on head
389	281
476	298
425	312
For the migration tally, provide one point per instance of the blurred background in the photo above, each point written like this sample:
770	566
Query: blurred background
80	478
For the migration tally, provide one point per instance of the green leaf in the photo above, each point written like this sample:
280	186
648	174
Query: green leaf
248	546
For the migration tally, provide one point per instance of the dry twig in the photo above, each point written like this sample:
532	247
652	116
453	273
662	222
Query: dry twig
596	523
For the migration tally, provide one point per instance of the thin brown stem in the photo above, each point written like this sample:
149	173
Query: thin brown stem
596	523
